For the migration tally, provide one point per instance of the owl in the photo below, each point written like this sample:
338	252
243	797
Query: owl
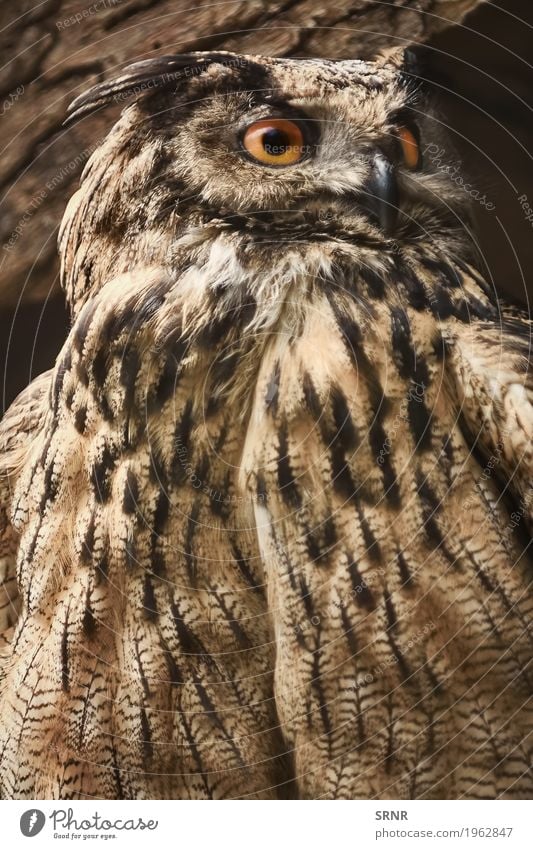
265	524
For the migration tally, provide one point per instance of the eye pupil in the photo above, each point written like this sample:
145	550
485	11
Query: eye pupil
275	142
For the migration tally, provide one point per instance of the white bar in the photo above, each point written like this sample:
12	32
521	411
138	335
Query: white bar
272	825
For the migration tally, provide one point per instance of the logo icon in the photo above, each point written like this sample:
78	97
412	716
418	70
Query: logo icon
32	822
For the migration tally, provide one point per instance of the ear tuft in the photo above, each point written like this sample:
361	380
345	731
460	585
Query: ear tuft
408	60
390	56
144	78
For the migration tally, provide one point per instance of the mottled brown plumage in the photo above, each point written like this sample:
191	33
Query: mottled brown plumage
262	508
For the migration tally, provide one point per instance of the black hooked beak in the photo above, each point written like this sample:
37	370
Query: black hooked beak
381	193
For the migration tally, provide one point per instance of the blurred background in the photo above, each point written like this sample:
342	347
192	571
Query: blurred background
478	57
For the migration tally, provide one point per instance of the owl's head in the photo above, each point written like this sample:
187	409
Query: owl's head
275	153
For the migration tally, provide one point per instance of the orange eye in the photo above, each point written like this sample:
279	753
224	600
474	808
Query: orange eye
410	149
275	141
